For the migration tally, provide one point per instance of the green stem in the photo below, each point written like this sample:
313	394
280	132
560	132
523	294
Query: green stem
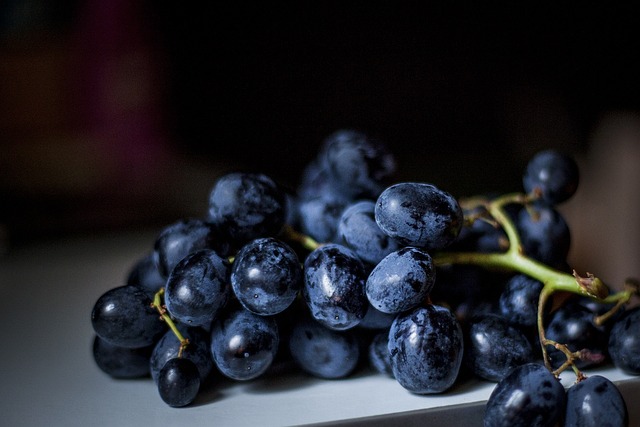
157	303
307	242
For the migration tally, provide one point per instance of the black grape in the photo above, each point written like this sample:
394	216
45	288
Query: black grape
198	351
319	217
554	174
178	382
418	214
529	396
519	300
121	362
595	402
334	279
624	342
123	316
545	235
146	275
379	357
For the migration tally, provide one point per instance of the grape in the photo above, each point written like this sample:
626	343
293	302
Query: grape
146	275
198	351
198	288
545	236
121	362
426	347
519	300
322	352
554	174
357	165
379	356
247	206
123	316
182	238
178	382
418	214
333	289
358	230
244	344
375	319
624	342
529	396
493	347
319	217
266	276
595	401
401	281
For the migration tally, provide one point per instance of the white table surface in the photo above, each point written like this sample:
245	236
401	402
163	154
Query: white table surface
48	377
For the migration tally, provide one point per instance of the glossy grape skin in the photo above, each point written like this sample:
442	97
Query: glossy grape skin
178	382
334	279
322	352
358	230
123	316
184	237
379	357
426	347
493	347
145	274
419	214
554	174
247	206
266	276
401	281
518	301
529	396
624	342
198	288
243	344
358	166
595	402
198	351
546	236
121	362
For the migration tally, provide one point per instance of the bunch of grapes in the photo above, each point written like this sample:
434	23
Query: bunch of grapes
353	269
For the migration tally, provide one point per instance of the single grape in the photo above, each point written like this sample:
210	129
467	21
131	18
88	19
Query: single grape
266	276
178	382
401	281
244	344
198	351
545	235
334	279
247	206
493	347
555	175
376	319
322	352
595	402
379	357
184	237
519	300
121	362
146	275
426	346
418	214
123	316
529	396
358	230
198	288
319	217
624	342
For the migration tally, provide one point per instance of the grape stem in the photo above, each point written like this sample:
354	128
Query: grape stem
514	259
158	304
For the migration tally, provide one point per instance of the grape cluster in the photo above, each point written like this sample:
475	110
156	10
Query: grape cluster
354	270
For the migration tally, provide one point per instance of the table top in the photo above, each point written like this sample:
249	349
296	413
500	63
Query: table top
47	291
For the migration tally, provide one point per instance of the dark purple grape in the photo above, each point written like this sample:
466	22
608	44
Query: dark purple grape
401	281
121	362
554	174
319	217
426	349
178	382
243	344
323	352
595	402
198	351
545	236
418	214
529	396
184	237
493	347
624	342
375	319
519	300
334	279
266	276
198	288
379	356
358	230
246	206
123	316
146	275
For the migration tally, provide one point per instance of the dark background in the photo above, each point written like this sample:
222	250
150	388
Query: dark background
121	115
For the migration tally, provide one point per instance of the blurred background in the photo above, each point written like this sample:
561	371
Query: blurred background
120	115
